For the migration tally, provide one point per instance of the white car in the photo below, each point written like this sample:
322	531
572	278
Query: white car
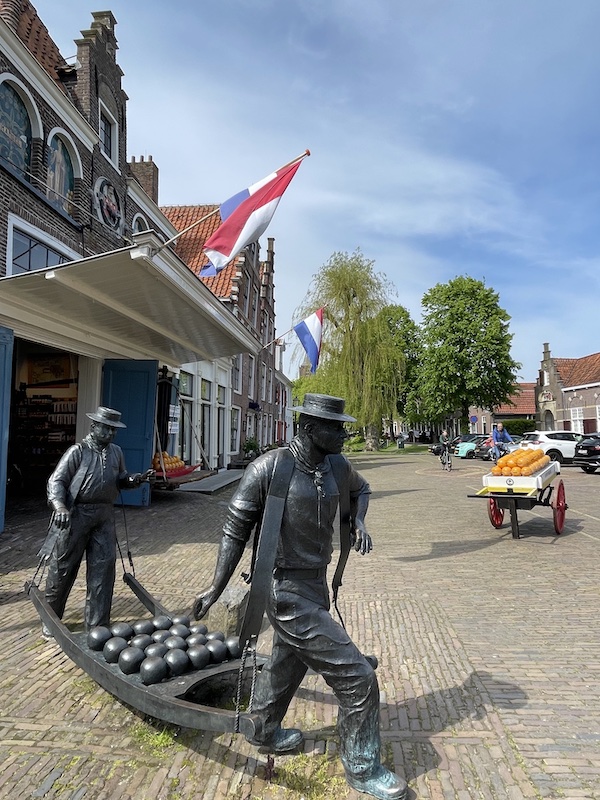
559	445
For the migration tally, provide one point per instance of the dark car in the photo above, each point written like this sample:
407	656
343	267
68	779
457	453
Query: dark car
587	453
483	450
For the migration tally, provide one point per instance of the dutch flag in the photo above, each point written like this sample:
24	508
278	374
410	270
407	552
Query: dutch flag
245	217
310	333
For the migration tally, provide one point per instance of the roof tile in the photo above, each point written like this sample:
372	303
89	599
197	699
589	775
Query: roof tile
189	245
579	371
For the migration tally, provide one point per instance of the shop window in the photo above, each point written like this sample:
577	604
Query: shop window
15	131
61	176
186	384
29	254
205	390
221	395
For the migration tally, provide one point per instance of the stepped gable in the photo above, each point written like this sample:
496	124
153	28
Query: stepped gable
189	245
523	401
22	17
579	371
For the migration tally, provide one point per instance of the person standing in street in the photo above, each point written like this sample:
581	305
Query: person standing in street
81	493
317	479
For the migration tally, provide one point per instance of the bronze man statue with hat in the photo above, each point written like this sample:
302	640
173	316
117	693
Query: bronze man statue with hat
81	493
310	479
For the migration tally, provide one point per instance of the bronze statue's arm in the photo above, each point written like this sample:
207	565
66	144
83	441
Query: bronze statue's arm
361	541
230	553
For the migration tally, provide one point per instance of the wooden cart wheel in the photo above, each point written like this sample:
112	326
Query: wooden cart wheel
495	513
559	507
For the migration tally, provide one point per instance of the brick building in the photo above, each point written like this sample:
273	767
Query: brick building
93	306
568	392
260	392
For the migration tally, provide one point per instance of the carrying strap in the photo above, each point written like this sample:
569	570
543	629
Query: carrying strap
267	547
340	469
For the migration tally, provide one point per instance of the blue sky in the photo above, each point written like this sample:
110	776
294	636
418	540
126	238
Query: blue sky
448	137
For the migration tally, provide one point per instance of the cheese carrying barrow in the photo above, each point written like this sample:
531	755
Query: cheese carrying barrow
512	493
188	700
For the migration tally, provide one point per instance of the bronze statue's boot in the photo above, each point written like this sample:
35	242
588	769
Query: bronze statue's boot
381	783
282	741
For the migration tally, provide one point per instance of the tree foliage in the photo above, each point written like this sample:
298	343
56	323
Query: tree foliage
467	351
360	358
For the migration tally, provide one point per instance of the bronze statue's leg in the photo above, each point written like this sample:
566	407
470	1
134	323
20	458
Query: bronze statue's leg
63	566
100	567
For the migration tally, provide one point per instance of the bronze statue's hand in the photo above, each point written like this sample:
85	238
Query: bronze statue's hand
202	603
361	540
62	518
149	474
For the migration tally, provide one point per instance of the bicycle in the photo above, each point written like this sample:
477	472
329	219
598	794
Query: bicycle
446	457
502	449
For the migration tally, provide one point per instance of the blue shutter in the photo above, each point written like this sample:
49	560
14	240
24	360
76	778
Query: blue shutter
6	351
130	387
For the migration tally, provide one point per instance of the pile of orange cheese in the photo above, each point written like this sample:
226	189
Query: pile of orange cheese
521	463
170	462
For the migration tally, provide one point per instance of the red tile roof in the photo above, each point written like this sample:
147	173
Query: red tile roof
189	245
579	371
524	401
34	35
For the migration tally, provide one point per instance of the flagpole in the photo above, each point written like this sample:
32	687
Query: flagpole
212	213
185	230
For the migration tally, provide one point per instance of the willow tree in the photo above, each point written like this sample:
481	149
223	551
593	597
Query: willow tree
359	357
467	359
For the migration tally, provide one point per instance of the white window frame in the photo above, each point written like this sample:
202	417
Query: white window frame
113	156
577	419
35	233
236	373
251	376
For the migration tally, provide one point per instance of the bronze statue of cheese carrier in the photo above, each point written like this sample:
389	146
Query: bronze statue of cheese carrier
290	496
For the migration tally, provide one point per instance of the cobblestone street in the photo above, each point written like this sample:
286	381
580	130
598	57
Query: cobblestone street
488	653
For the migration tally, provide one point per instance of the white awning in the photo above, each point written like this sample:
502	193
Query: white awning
129	303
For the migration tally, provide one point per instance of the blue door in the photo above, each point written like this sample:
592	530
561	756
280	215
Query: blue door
130	387
6	350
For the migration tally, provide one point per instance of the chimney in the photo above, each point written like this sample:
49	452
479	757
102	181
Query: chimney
146	174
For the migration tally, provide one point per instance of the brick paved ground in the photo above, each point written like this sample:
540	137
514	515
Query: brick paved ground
488	650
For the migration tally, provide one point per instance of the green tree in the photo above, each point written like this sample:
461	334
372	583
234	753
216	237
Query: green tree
359	359
467	357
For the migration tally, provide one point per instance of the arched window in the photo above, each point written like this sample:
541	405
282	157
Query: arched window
15	131
139	224
61	176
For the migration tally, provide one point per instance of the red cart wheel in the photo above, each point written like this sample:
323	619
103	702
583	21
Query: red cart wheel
559	507
495	513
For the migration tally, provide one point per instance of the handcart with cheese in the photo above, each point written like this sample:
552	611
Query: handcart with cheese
522	480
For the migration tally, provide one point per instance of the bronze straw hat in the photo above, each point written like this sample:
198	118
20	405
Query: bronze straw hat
325	407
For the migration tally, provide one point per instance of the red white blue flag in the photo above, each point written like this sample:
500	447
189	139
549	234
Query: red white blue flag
310	332
245	217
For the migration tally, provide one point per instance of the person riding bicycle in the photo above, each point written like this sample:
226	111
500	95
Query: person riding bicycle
500	437
445	442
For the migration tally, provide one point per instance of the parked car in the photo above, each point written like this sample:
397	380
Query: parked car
482	450
466	449
559	445
462	437
587	452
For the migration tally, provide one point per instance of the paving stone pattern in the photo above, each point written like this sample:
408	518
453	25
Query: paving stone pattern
488	653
